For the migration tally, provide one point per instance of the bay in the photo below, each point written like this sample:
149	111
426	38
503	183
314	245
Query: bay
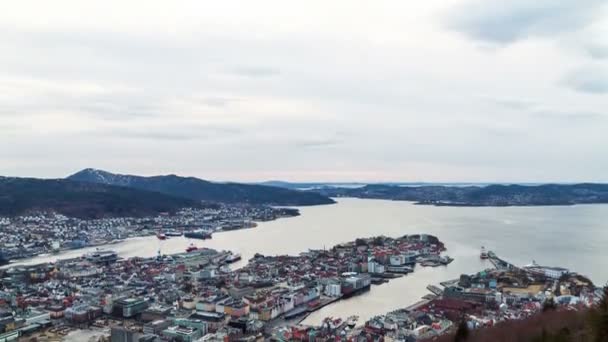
575	237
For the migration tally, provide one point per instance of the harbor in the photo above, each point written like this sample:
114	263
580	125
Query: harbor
321	228
195	292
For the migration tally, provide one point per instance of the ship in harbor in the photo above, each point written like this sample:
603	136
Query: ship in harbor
353	284
100	256
233	257
198	234
484	254
55	247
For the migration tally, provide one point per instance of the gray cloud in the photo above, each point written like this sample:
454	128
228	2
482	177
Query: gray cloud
597	51
591	80
571	117
168	132
146	99
500	21
317	143
514	104
256	71
218	101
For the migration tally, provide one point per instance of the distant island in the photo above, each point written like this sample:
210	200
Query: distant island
479	196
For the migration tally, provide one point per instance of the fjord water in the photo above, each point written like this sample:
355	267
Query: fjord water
575	237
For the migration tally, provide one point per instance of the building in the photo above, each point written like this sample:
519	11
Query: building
374	267
157	327
123	334
82	313
333	289
182	334
129	307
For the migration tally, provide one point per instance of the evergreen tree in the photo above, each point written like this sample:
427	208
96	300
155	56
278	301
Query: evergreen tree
549	305
462	334
599	319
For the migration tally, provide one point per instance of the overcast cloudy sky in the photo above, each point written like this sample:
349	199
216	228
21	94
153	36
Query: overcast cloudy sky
429	90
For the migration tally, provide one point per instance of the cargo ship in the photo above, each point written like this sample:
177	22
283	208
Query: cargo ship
198	234
354	284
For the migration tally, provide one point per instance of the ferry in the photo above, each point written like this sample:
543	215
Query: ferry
351	322
55	247
233	257
101	256
484	253
200	234
355	284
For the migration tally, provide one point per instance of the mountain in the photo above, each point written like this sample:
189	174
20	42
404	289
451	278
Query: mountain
491	195
83	200
198	189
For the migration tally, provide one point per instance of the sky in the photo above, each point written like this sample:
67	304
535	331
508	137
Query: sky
421	90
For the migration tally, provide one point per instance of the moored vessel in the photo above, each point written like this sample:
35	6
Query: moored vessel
198	234
484	253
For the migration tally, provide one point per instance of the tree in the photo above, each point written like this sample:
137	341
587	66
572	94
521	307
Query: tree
599	319
549	305
462	333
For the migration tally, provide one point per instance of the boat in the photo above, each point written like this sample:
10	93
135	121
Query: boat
351	322
484	253
355	284
233	257
161	236
191	248
173	233
100	256
298	311
430	263
55	247
198	234
446	260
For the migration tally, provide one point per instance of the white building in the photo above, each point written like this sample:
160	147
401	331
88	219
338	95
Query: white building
333	290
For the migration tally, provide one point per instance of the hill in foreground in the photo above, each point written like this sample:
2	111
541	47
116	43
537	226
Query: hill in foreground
19	196
202	190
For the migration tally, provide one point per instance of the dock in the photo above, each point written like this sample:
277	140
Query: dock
417	305
435	290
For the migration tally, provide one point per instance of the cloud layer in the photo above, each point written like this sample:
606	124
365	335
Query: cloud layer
458	90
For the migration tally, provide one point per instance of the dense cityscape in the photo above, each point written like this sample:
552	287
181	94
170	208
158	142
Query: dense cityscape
197	296
304	171
27	236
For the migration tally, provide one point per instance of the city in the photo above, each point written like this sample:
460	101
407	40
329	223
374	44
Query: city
312	171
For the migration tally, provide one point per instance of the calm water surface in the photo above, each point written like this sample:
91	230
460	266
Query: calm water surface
575	237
